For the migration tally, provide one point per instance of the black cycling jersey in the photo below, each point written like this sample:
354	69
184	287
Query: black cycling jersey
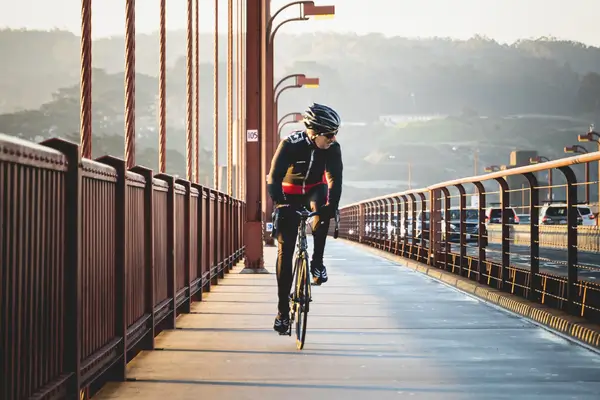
298	165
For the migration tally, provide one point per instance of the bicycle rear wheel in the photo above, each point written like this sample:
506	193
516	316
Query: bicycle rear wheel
302	303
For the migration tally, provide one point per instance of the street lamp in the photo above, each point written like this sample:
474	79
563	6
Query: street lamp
492	168
540	159
577	149
285	78
296	117
319	12
308	82
307	9
589	137
593	136
301	81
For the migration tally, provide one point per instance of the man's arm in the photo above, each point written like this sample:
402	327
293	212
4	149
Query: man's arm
334	170
279	167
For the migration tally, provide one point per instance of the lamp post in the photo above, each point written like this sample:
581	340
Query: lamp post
307	9
577	149
300	81
537	160
274	93
285	78
296	117
593	136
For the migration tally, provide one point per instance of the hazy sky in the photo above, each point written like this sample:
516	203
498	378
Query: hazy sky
503	20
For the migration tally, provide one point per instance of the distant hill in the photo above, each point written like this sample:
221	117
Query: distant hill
478	83
443	75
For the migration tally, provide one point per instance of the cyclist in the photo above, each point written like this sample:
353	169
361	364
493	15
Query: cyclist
306	170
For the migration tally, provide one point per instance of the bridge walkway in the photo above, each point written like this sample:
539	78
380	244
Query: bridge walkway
376	330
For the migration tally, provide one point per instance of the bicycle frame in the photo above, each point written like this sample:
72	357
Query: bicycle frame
302	245
301	299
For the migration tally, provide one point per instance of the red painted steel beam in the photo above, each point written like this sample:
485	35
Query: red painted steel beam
268	145
255	57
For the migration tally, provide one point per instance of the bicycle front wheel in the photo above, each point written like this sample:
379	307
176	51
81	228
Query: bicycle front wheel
302	301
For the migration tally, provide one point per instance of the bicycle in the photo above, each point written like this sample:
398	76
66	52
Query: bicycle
301	296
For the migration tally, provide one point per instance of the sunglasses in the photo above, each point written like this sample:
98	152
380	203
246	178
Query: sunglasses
329	135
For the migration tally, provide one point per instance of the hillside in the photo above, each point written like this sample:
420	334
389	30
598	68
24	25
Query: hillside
474	85
444	75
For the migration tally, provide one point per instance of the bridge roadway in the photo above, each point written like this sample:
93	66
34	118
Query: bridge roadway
376	330
552	261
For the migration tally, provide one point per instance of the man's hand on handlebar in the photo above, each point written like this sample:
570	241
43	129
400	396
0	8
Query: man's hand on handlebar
283	210
327	211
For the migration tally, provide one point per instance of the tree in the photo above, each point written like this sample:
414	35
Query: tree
589	93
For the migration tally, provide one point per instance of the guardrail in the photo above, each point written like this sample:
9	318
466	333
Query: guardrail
96	260
551	236
545	264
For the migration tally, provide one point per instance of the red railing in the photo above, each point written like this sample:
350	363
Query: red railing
552	261
95	260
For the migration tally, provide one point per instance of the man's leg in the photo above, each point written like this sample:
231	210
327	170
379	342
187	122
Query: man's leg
287	230
320	228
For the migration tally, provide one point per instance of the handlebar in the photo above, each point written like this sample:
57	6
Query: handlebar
305	214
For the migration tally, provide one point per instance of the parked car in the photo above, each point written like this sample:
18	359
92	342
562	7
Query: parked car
556	214
493	215
471	229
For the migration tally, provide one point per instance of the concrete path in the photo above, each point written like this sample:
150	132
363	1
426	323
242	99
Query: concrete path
376	330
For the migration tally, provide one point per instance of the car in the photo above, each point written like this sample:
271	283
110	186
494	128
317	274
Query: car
589	218
471	225
524	218
556	214
493	215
